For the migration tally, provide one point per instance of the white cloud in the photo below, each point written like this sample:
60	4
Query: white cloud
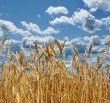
56	10
1	32
88	22
12	41
49	31
15	45
7	25
81	18
35	28
106	22
31	26
81	15
62	20
99	43
30	41
66	38
77	40
23	33
98	4
96	40
10	27
106	40
79	44
95	49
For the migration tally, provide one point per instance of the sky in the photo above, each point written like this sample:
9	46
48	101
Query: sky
59	18
80	22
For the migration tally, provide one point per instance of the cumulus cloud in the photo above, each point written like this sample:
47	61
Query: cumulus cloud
81	15
97	49
15	45
106	40
31	26
12	41
98	4
95	40
77	40
35	28
30	41
99	43
10	27
106	22
62	20
57	10
88	22
80	18
80	43
49	31
1	32
83	19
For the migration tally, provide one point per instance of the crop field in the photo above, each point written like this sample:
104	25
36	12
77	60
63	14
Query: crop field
43	78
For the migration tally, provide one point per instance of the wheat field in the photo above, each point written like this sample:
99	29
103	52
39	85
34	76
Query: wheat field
43	78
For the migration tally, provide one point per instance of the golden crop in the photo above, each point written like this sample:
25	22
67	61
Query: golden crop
46	80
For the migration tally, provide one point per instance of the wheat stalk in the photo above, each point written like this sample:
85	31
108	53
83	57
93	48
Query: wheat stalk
105	54
90	48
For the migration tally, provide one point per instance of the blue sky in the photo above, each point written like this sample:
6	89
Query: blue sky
34	11
80	22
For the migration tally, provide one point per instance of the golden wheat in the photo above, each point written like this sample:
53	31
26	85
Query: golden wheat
47	79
